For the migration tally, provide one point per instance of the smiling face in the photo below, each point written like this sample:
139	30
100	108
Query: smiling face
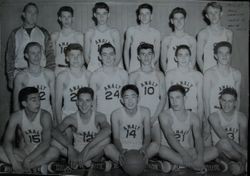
34	55
32	103
146	56
213	14
75	58
183	57
108	56
176	99
178	21
101	15
223	55
145	16
228	103
66	18
84	102
30	15
130	99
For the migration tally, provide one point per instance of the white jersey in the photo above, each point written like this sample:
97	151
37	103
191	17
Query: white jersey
85	133
149	90
108	93
174	42
131	130
32	131
209	60
222	83
187	81
41	84
97	40
70	92
231	127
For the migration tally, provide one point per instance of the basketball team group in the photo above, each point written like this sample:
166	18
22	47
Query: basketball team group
84	100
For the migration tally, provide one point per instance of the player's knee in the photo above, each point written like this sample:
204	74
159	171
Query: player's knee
155	146
223	144
108	149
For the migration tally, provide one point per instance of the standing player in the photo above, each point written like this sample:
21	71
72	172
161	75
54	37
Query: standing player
69	81
151	85
141	33
101	34
18	39
36	76
177	20
35	125
190	79
229	131
107	81
212	34
61	39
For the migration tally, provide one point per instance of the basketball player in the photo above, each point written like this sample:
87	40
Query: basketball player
36	76
229	131
182	129
141	33
177	20
35	125
212	34
151	85
61	39
69	81
190	79
90	131
18	39
100	34
107	81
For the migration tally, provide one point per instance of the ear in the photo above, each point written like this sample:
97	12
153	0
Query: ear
108	14
139	58
67	58
215	57
60	19
171	21
94	15
175	59
24	103
26	56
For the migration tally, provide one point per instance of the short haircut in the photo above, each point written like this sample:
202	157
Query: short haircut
25	92
144	45
29	45
30	4
182	47
214	5
177	87
230	91
106	45
100	5
129	87
175	11
144	6
73	46
65	9
222	44
85	90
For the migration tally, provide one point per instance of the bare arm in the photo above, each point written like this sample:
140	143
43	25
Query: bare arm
243	122
51	77
164	49
87	42
127	46
199	96
157	45
18	85
200	49
146	128
116	131
59	96
193	51
116	39
238	83
207	85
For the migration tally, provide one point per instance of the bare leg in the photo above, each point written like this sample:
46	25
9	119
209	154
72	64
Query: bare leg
156	133
111	152
170	155
210	153
3	156
152	149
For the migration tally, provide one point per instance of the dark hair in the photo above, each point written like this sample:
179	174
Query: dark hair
230	91
73	46
144	45
177	87
175	11
25	92
106	45
30	4
143	6
129	87
182	47
85	90
65	9
29	45
99	5
204	11
222	44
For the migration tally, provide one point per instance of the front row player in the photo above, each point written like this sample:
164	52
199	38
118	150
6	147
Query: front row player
35	125
229	132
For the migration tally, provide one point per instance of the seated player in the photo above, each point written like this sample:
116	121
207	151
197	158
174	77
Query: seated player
183	145
89	130
229	131
35	125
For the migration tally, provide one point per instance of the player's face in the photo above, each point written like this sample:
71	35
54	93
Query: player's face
178	21
130	99
214	15
66	18
183	57
32	103
145	16
75	58
228	102
146	56
84	102
223	55
30	15
101	16
34	55
176	100
108	56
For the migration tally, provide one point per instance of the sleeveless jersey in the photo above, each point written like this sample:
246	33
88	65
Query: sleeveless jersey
174	42
98	39
85	133
231	128
32	131
222	83
131	130
108	94
70	93
209	60
44	91
149	89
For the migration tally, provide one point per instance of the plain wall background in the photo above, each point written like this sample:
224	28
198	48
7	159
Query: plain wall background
122	16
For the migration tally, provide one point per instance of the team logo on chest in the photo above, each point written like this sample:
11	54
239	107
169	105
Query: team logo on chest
73	92
231	132
63	45
87	136
149	87
112	91
34	135
186	84
131	130
221	88
99	42
41	89
181	134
